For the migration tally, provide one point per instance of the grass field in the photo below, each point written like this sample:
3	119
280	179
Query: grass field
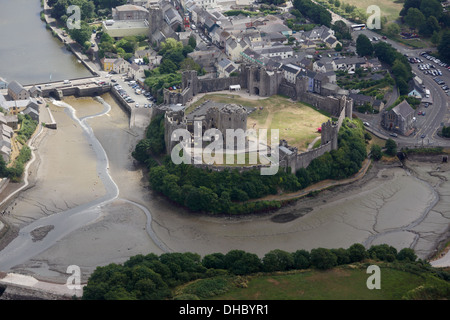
389	8
341	283
297	123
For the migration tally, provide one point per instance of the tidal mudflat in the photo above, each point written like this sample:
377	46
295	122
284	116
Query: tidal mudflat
403	207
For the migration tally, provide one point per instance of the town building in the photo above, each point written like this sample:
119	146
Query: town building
17	92
399	119
129	12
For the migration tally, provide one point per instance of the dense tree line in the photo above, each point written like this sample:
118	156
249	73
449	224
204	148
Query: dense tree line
230	192
315	12
152	277
428	18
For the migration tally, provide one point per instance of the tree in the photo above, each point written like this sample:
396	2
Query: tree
341	255
357	252
363	46
167	66
436	38
430	26
400	70
240	262
385	52
444	45
170	45
192	42
409	4
302	259
214	260
341	30
382	252
407	254
82	34
391	147
376	152
392	29
431	8
446	131
59	9
322	258
277	260
414	18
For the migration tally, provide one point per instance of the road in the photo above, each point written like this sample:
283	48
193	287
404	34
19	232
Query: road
438	113
426	126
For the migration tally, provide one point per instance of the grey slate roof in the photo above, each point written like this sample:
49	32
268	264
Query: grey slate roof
403	109
15	87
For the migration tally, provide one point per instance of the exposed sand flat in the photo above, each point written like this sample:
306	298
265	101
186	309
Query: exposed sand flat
66	176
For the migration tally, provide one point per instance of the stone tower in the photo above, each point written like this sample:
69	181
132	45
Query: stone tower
172	120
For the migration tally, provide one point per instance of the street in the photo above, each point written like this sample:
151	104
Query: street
436	114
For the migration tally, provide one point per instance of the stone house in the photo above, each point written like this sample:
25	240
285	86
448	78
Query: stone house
35	92
349	64
378	105
290	72
17	92
399	119
120	66
234	47
108	64
225	67
321	33
34	115
361	99
282	52
136	71
129	12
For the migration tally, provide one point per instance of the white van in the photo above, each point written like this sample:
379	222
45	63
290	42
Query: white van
66	81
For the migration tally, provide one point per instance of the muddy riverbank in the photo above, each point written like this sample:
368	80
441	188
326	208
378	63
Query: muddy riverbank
394	205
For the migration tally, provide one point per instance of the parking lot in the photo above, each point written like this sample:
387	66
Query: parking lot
133	93
432	67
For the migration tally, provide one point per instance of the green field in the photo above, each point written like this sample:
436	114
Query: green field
389	8
341	283
297	123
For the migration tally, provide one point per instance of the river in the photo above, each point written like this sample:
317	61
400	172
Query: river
28	52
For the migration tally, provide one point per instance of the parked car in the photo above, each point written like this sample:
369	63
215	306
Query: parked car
393	134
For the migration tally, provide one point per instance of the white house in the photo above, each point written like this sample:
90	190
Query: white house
290	72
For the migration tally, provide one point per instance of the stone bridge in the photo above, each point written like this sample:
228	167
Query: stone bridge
81	87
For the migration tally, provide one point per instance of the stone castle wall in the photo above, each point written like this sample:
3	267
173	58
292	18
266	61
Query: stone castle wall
258	81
